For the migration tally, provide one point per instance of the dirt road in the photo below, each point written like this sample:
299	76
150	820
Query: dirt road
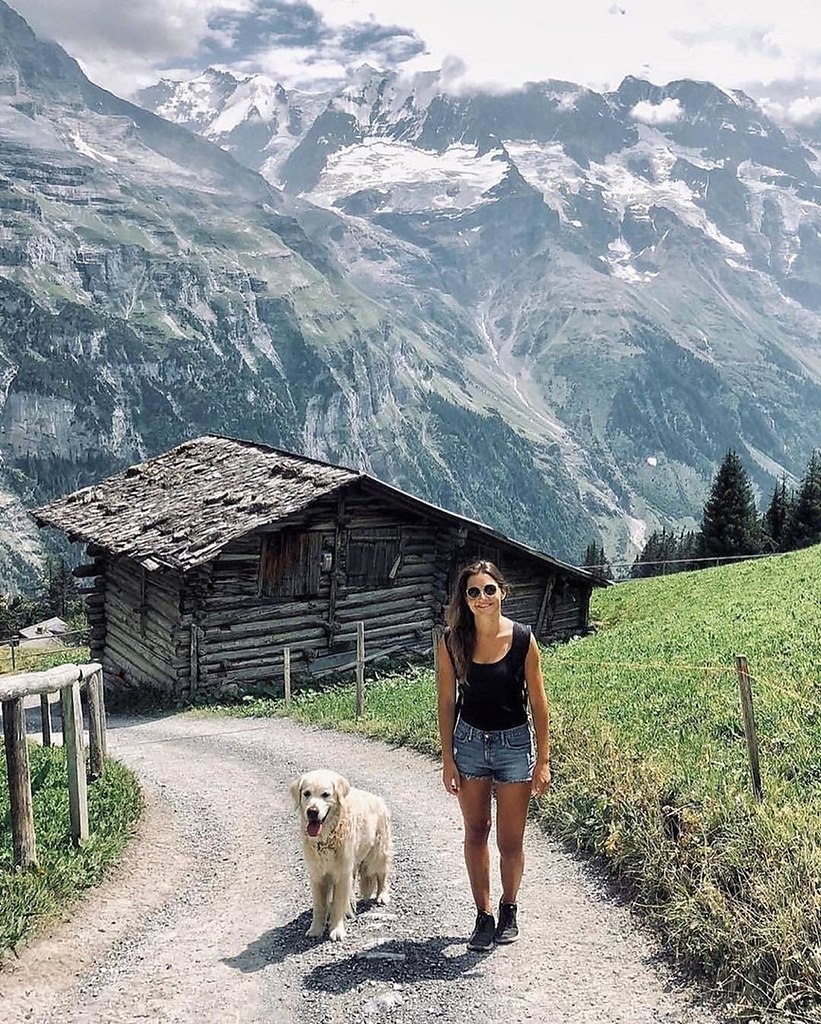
205	921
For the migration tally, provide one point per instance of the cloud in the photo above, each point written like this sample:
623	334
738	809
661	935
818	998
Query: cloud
127	46
666	112
801	110
594	43
149	28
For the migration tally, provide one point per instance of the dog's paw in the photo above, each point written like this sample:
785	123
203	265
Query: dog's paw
337	933
315	931
383	899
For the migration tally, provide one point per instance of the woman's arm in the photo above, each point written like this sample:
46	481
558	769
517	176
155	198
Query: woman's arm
446	702
540	711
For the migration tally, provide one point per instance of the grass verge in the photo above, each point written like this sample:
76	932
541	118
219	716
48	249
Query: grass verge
650	769
29	899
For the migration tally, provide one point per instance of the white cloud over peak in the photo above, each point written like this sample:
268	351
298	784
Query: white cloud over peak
666	112
748	44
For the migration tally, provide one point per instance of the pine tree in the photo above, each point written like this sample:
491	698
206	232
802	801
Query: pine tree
729	525
689	545
775	519
591	555
59	594
804	524
606	569
657	556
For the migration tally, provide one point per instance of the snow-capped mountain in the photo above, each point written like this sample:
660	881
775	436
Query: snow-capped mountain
252	117
633	276
152	289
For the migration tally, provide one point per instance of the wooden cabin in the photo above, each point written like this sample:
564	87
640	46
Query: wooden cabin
208	560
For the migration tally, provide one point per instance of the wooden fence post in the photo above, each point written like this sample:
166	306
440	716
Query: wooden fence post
286	674
75	760
96	726
750	734
17	760
45	718
360	669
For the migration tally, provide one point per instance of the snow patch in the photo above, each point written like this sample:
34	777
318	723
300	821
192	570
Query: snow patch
83	147
410	178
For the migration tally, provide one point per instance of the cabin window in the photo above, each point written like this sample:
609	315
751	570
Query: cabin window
290	564
373	557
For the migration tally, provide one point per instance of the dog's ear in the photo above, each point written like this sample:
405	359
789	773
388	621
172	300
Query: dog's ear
342	786
295	790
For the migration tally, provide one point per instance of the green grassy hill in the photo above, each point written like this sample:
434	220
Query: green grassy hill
652	767
650	764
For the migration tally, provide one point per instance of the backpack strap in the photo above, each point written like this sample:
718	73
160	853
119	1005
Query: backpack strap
521	642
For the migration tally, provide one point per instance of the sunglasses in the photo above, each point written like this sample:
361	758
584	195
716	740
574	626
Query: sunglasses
489	589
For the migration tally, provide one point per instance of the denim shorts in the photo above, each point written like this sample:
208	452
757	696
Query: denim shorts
504	755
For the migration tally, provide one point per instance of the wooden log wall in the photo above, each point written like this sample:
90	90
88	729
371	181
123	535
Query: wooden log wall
243	632
95	571
369	557
141	626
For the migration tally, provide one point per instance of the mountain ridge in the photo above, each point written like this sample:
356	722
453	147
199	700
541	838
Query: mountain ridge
153	289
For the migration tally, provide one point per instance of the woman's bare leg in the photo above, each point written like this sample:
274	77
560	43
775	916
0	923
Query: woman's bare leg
512	801
474	799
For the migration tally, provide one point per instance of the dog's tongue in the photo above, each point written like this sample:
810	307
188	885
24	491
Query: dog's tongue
314	828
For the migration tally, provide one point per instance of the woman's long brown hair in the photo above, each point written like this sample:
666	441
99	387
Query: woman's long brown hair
461	635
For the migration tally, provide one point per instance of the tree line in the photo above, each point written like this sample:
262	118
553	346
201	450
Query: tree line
55	593
731	526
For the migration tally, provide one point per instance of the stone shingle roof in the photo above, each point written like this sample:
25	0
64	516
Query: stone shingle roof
182	507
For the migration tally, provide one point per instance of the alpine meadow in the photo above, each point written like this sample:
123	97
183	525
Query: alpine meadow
651	771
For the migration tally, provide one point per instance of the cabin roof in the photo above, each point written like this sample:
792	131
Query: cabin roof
179	509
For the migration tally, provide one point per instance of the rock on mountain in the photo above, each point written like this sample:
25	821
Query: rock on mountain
153	288
635	276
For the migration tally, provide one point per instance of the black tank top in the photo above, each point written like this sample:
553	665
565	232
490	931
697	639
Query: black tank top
495	696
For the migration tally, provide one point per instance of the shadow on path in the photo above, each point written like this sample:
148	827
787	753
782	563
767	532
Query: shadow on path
397	960
274	946
394	960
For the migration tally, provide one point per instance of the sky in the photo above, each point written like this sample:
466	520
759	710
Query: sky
769	48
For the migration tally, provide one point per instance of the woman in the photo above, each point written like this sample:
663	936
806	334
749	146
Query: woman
489	670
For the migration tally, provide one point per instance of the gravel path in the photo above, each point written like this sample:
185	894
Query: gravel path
205	919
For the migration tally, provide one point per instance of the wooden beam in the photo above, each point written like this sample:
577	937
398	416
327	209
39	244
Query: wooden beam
336	569
24	846
75	762
29	684
96	726
45	719
360	669
543	608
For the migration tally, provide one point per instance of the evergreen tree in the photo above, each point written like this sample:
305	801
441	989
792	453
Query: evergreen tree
729	525
689	546
657	557
804	524
596	561
60	595
591	555
605	568
775	519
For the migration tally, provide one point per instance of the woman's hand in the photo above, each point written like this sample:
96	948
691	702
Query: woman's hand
541	779
450	777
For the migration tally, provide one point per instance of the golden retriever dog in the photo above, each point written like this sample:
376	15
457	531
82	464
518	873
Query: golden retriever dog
345	832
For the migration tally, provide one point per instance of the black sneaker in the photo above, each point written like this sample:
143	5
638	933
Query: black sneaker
484	932
507	930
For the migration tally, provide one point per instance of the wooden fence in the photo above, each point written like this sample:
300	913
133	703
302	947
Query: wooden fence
68	680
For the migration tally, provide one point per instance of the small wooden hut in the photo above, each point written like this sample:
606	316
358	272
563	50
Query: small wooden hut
208	560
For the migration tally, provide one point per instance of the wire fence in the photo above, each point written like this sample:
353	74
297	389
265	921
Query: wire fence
624	567
18	652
